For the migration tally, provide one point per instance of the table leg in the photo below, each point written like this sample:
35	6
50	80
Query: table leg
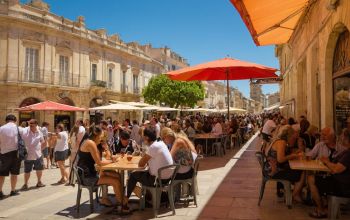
122	177
206	147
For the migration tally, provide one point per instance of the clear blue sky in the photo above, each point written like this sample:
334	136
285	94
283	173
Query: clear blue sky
199	30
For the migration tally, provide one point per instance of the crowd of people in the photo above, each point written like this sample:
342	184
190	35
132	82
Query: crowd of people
162	141
289	139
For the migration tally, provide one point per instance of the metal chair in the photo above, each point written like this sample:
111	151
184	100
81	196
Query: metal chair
219	146
265	178
334	203
160	186
191	181
234	140
79	173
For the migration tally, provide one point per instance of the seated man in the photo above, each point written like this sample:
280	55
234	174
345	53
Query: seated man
337	183
125	144
156	157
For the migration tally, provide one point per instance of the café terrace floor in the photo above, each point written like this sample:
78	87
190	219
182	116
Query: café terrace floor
228	189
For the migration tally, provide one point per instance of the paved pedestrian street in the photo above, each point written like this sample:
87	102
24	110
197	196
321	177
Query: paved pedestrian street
228	188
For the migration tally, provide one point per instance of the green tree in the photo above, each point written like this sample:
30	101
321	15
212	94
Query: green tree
173	93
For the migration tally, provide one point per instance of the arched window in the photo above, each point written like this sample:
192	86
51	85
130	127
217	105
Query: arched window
26	116
341	82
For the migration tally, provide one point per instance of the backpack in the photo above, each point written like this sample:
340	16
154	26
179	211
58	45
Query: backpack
22	152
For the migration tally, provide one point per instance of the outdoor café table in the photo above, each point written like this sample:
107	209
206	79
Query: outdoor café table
206	136
123	165
308	165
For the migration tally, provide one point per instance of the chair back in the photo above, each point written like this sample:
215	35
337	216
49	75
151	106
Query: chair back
78	173
165	171
262	161
223	139
196	166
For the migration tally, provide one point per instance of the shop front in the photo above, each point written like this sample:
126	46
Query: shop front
65	117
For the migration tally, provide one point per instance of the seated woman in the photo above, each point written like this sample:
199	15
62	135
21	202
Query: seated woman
278	154
182	151
184	154
336	184
89	156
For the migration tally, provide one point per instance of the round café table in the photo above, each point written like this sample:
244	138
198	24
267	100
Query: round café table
206	137
122	165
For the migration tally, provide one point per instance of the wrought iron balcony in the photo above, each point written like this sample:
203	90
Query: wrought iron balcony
68	79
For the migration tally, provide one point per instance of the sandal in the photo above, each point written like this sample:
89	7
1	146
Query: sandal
106	202
40	184
317	214
61	181
125	209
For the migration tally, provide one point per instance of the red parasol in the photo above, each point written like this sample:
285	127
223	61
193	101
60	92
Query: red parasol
223	69
50	106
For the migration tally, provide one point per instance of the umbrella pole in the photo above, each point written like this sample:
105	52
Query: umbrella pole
228	96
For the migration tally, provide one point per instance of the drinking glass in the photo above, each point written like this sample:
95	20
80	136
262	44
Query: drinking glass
122	152
129	156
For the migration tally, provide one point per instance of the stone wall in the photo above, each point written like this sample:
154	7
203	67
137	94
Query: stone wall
306	62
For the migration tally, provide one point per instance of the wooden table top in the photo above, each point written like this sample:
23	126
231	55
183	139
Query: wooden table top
311	165
124	164
206	136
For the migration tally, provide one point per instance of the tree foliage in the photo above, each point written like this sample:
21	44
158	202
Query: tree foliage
173	93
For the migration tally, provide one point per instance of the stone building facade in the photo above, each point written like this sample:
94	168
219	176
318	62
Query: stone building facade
44	56
315	65
273	98
215	94
170	60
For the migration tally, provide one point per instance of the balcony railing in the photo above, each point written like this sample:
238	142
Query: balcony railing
98	83
123	88
32	75
39	76
68	79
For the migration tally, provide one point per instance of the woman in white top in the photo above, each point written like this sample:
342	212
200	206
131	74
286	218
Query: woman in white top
61	151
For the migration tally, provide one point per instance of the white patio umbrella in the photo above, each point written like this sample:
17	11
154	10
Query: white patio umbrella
166	109
137	104
233	110
117	106
150	108
196	110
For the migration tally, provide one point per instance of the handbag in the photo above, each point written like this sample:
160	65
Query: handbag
22	150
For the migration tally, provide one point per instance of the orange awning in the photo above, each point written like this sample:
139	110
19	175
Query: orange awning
270	21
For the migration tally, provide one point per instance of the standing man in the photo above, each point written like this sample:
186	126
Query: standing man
81	131
268	128
8	154
156	126
35	142
135	133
